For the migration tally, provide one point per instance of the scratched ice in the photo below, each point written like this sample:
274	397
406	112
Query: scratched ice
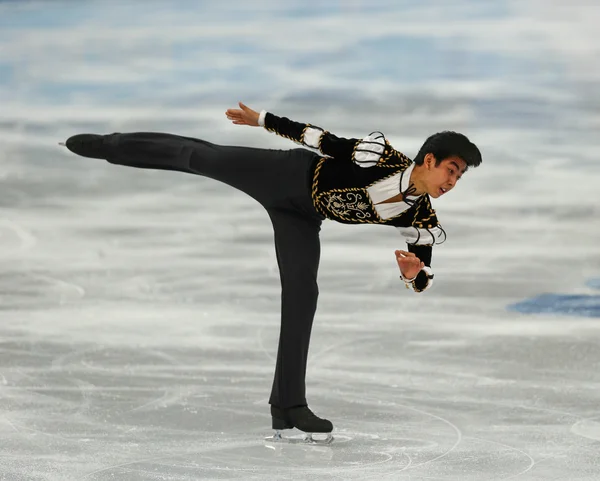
139	310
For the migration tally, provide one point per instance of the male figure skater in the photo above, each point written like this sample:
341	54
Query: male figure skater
352	181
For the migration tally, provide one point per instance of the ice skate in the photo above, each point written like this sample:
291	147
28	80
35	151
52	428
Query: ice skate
88	145
303	419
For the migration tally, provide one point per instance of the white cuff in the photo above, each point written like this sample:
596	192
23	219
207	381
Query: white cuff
409	283
261	118
406	279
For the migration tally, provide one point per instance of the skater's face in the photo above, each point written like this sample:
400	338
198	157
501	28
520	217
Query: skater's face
442	178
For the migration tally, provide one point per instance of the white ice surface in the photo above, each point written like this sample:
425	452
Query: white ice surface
139	309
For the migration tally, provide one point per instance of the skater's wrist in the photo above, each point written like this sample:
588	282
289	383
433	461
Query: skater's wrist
408	279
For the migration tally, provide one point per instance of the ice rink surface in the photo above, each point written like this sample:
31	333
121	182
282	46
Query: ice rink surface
139	309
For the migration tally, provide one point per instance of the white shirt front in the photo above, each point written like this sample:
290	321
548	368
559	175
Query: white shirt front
390	187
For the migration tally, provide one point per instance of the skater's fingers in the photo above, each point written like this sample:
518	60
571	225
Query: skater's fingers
403	264
401	253
244	107
236	112
238	120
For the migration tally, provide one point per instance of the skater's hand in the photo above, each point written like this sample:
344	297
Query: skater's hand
409	264
243	116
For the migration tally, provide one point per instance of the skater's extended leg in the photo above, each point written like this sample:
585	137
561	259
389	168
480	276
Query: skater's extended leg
269	176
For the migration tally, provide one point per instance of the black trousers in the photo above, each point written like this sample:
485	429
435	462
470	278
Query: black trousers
280	181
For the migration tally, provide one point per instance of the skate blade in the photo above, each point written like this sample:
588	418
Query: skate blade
308	438
62	144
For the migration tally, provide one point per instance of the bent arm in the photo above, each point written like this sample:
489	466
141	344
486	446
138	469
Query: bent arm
424	232
424	278
420	241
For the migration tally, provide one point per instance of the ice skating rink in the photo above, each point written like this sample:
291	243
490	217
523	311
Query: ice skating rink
139	309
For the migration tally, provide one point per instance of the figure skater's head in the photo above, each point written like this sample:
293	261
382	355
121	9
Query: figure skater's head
441	161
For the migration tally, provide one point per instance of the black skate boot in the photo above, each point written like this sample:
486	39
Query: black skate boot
89	145
302	418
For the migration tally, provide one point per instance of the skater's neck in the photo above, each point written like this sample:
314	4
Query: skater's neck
417	183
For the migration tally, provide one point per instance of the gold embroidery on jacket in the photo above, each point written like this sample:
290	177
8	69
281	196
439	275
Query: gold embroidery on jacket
325	132
315	186
395	159
421	222
272	129
347	204
353	156
382	178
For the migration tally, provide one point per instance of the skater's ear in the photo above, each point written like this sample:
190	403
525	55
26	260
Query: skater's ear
430	161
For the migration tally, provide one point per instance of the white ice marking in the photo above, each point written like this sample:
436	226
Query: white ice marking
440	418
261	344
63	285
155	459
26	238
22	428
59	362
587	428
347	342
394	474
84	390
532	461
11	424
168	398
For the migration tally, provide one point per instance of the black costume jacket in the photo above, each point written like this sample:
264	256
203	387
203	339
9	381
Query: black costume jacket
351	166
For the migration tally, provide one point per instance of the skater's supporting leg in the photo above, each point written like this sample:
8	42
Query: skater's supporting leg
298	251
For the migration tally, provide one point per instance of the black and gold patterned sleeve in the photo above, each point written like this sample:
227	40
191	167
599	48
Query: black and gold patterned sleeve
309	136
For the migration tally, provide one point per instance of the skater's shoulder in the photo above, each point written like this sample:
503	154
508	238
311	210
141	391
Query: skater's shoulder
376	149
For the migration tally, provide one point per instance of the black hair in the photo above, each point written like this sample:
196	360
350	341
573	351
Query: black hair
449	144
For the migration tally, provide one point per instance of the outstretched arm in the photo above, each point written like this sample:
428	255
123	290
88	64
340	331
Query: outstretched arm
312	136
